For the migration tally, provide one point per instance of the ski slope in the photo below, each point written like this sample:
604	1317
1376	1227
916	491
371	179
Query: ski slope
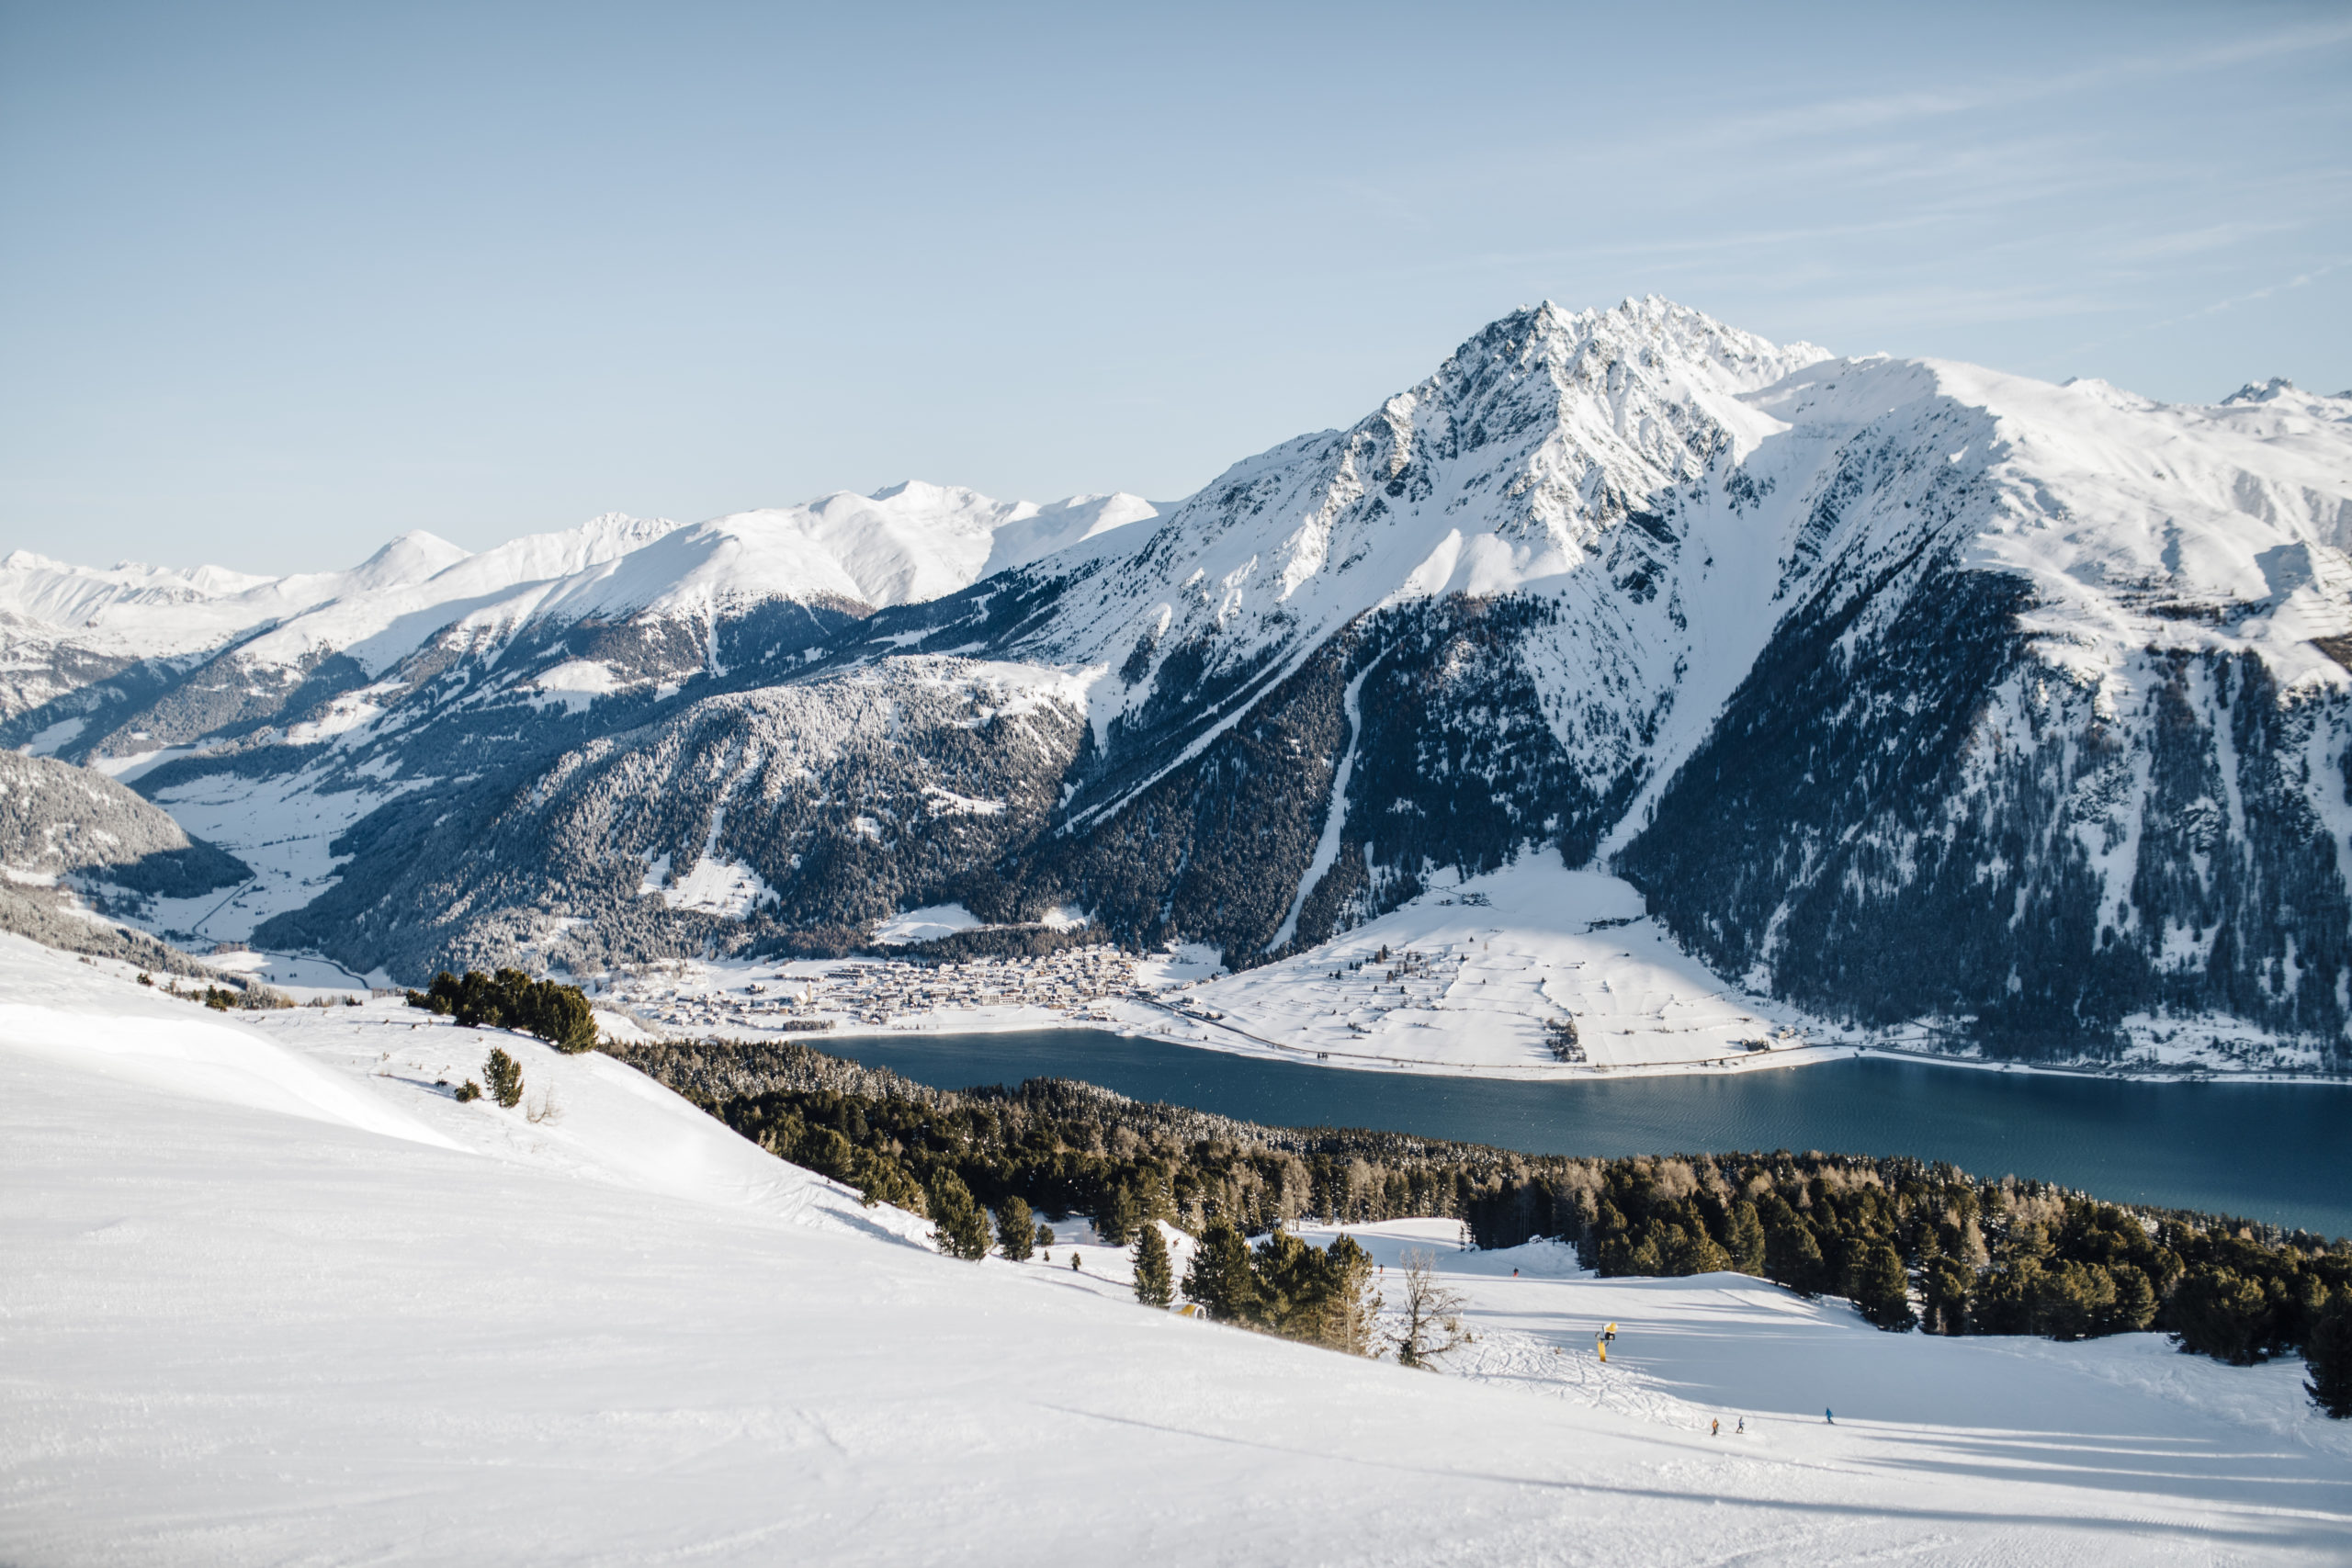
382	1326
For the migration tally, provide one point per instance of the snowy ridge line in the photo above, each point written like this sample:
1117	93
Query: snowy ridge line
2060	650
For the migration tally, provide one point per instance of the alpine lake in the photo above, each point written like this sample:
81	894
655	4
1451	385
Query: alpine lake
2281	1153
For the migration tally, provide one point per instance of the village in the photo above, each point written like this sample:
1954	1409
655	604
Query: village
1073	984
1534	971
1097	984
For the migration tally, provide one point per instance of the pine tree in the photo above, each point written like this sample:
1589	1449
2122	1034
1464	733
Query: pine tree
2218	1312
1946	1283
962	1226
1016	1233
1045	1236
502	1076
1791	1256
1692	1251
1746	1244
1882	1290
1220	1277
560	1015
1155	1277
2327	1353
1118	1216
881	1180
827	1153
2135	1300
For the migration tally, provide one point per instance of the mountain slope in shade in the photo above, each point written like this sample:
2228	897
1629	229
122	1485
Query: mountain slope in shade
71	839
2056	698
58	821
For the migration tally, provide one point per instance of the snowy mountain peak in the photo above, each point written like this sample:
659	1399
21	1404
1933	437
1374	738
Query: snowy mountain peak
2262	392
1532	446
1654	334
408	557
1816	651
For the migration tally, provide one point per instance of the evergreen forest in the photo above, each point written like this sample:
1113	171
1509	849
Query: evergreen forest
1912	1244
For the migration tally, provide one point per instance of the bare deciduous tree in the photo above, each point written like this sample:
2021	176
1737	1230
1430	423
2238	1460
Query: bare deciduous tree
1432	1326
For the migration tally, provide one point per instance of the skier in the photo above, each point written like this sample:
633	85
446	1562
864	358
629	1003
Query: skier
1715	1428
1741	1430
1830	1416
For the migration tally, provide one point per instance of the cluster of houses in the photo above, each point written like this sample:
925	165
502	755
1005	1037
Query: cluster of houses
801	997
1071	980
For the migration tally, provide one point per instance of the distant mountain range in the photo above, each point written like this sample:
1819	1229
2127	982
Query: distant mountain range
1903	690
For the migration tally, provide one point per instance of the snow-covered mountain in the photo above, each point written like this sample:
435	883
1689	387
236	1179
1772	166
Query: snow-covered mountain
129	662
76	847
1848	665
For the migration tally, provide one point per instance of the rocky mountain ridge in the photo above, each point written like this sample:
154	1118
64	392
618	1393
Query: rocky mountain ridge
1845	663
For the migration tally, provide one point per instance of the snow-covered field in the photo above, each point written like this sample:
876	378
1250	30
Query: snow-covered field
273	1296
278	827
1493	960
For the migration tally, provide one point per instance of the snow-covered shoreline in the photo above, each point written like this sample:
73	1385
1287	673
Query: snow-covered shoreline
1023	1021
1473	979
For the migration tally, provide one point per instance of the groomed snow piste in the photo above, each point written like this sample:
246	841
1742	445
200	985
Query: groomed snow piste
274	1297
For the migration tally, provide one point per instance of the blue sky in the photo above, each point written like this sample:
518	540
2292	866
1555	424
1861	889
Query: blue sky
277	283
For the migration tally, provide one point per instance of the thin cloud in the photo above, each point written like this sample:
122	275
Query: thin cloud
1836	115
2219	306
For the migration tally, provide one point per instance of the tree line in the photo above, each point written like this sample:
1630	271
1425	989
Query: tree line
1913	1244
508	999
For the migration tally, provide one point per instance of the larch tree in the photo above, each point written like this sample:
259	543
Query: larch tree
1432	1326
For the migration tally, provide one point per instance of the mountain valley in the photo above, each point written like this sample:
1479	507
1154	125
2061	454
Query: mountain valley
1882	699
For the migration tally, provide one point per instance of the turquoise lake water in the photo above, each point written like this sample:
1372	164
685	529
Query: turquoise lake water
2281	1153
